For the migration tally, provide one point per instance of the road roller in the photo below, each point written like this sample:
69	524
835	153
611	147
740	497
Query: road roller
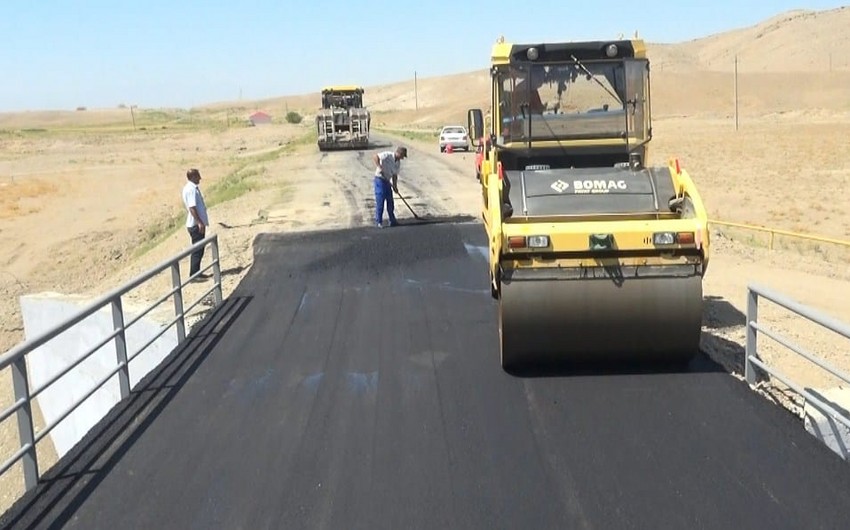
596	254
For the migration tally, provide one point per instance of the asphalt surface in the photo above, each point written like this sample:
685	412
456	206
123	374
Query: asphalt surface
353	381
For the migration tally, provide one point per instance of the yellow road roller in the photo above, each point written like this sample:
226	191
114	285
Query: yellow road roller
595	254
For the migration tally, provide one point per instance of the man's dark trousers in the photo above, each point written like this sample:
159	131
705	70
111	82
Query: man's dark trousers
384	192
195	263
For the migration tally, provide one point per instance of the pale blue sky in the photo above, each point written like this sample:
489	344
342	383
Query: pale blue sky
60	54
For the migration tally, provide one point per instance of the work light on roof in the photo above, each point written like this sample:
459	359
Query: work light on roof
532	54
611	50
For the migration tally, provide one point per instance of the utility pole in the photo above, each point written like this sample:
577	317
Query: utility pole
736	92
415	90
133	116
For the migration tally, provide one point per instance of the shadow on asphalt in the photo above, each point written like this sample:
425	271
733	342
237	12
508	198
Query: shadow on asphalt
65	487
700	363
429	220
380	144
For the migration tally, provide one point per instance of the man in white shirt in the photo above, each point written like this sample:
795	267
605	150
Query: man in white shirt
196	219
387	166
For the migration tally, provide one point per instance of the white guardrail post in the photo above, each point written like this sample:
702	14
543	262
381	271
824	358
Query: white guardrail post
216	271
25	424
751	349
178	301
121	346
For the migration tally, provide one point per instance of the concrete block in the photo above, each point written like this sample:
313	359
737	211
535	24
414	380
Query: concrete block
823	426
44	311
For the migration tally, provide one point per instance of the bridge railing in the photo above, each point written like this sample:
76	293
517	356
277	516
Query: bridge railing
753	361
16	358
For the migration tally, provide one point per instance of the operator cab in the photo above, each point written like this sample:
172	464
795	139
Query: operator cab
342	98
569	105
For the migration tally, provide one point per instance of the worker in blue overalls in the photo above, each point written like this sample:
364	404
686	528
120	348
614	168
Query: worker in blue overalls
387	166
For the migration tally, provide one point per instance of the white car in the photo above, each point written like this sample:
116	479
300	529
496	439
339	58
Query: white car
455	136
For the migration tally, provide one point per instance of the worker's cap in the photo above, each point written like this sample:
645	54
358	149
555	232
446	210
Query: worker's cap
402	152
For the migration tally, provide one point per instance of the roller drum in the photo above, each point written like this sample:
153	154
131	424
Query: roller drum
642	319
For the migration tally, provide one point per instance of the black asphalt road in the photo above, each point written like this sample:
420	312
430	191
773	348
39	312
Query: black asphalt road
353	381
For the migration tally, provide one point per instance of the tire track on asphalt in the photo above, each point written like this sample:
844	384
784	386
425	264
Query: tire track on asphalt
334	167
349	193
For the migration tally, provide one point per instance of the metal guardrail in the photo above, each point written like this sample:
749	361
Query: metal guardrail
752	360
16	357
774	231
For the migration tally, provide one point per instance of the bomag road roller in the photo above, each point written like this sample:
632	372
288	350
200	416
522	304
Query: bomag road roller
595	255
342	122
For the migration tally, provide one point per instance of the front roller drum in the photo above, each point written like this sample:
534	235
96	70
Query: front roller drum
650	319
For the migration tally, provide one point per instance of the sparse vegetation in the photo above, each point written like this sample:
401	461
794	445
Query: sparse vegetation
828	252
248	176
304	139
158	231
18	197
234	185
422	136
293	117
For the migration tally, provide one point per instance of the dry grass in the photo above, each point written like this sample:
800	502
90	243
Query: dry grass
19	197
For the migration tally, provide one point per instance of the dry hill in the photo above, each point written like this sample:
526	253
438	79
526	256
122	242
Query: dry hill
796	41
794	61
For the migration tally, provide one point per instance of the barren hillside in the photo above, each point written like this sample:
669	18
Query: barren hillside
796	41
792	62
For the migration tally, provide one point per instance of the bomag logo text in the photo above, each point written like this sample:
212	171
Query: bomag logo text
598	186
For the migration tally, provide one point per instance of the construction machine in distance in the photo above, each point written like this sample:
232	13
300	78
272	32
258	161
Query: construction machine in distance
343	122
595	254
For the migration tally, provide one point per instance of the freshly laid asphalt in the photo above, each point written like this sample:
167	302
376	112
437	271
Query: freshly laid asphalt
353	381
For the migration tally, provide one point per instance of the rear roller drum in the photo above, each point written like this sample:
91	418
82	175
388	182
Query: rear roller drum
600	320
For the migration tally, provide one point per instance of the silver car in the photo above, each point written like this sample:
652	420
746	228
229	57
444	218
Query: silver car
455	136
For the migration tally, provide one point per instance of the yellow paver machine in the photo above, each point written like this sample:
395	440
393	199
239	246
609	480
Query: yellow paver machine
595	255
343	122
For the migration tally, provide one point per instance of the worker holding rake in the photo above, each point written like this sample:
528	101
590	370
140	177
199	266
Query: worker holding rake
387	166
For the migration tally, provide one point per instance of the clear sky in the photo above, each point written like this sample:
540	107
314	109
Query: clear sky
60	54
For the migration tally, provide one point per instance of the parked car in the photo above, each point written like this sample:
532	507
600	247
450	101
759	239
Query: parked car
454	135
